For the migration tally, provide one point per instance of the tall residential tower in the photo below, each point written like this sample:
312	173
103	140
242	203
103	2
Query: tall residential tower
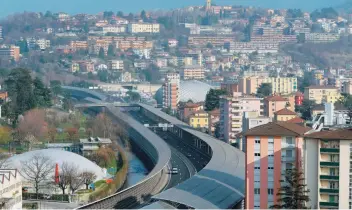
171	92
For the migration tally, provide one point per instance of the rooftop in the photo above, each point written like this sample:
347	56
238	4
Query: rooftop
340	134
96	140
321	87
296	120
275	98
278	129
285	111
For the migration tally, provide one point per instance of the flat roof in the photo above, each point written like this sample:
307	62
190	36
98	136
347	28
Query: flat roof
220	184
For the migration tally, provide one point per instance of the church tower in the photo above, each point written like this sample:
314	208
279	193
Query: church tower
208	7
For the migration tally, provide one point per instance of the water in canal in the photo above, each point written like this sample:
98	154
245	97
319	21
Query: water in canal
136	171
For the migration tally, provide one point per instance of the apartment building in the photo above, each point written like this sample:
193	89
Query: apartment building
275	103
322	94
10	52
213	120
171	91
114	29
90	145
249	47
1	35
328	168
143	28
321	37
232	110
250	120
199	119
217	41
188	109
116	65
279	85
34	43
192	73
271	149
11	189
79	45
284	115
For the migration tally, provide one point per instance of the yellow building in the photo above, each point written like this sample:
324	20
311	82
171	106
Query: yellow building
322	94
284	115
199	120
280	85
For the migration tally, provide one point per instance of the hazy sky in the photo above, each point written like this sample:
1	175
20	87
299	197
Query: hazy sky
93	6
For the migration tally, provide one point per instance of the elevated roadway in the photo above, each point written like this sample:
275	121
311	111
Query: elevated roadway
219	184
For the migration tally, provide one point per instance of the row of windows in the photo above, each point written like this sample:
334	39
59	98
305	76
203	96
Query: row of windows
270	167
257	191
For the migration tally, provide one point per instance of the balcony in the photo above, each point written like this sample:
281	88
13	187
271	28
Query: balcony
328	204
288	159
329	191
329	150
329	177
329	164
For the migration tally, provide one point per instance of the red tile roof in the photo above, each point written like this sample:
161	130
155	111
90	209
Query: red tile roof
285	111
340	134
278	129
321	87
296	120
275	98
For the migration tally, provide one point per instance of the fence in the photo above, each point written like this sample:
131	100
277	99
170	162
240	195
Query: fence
47	197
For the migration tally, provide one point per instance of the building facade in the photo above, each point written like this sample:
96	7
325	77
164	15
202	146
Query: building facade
199	120
280	85
171	91
328	169
10	189
271	149
116	65
232	110
192	73
10	52
322	94
273	104
143	28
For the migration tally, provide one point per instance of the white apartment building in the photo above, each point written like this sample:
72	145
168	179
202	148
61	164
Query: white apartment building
90	145
41	43
114	29
192	73
1	35
328	168
232	111
171	91
10	189
142	53
322	37
116	65
143	28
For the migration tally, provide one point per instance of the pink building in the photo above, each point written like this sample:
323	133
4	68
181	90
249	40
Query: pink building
273	104
232	110
270	150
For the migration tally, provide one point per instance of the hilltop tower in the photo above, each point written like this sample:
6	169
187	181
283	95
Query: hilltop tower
208	5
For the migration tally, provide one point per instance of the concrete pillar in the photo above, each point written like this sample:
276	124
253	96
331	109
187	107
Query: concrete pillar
0	111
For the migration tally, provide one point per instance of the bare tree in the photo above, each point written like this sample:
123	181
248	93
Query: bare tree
88	178
65	176
37	170
76	179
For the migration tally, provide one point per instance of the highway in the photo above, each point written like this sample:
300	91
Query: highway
196	158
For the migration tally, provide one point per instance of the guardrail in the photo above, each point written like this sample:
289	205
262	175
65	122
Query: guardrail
157	178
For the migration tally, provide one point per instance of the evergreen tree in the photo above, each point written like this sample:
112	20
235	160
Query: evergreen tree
293	194
42	94
212	100
144	16
111	51
19	87
101	53
264	90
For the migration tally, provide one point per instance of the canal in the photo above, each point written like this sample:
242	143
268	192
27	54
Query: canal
136	170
